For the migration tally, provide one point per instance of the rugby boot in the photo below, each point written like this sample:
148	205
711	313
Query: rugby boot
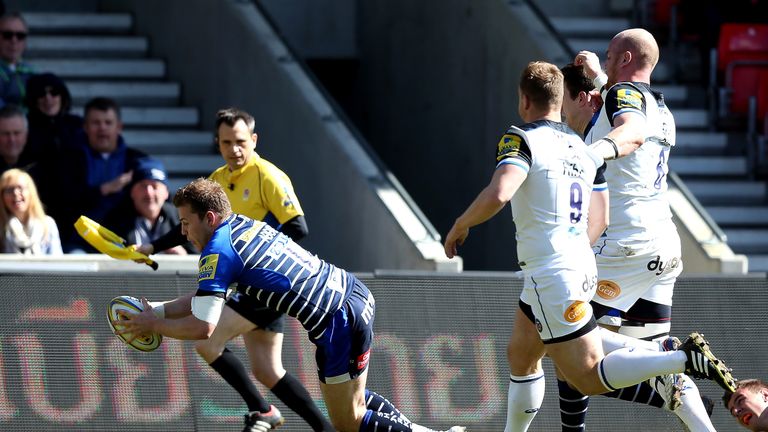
701	363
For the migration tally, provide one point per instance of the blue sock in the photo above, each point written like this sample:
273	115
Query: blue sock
641	393
384	422
573	408
378	403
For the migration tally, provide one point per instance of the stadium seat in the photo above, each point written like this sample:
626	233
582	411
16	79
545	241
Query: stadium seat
742	41
662	11
742	82
741	56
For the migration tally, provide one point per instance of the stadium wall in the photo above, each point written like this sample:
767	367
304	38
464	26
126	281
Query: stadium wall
227	54
439	353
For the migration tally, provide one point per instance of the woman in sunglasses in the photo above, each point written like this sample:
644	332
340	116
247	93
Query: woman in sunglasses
14	72
53	133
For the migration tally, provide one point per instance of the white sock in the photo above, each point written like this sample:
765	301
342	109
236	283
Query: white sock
613	341
524	398
692	411
628	366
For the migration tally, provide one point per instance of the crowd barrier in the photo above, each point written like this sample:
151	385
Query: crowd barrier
439	354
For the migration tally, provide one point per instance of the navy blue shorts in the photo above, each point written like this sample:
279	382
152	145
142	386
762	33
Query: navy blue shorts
258	313
344	347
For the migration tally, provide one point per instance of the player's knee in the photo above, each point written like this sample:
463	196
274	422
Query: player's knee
207	350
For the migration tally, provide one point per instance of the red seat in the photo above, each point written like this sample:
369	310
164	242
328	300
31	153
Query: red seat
742	42
744	80
762	100
662	11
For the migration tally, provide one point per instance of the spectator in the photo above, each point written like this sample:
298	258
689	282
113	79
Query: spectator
52	128
13	71
25	227
13	136
99	168
146	214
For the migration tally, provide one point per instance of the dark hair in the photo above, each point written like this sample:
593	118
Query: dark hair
102	104
36	85
753	385
542	82
230	116
203	195
13	15
575	80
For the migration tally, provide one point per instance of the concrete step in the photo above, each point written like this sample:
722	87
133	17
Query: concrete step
127	93
673	94
756	216
747	241
708	166
700	143
691	118
758	263
156	116
170	141
190	165
588	26
87	46
45	22
710	192
102	69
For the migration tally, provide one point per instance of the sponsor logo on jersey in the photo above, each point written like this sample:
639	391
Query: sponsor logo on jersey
661	266
576	311
362	360
608	289
629	98
287	200
207	267
509	146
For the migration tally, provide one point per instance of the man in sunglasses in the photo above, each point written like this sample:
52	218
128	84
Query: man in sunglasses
13	71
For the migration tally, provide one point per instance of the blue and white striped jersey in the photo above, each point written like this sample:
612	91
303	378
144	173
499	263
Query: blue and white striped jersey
283	275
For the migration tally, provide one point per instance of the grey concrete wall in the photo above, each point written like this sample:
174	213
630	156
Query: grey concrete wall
222	59
440	85
317	28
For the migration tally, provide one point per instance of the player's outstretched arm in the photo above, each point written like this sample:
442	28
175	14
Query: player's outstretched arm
505	182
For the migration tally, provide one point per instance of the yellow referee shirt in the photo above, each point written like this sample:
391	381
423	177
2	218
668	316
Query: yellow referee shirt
259	190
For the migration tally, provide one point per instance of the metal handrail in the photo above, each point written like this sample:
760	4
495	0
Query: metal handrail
678	183
384	174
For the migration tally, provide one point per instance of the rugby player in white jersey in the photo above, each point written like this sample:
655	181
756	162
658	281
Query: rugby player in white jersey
548	173
582	108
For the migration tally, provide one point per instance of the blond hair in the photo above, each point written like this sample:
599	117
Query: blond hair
35	210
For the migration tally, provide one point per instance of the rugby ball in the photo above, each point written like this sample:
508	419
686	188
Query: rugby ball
145	343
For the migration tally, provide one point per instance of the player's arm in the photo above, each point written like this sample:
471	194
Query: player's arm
597	218
505	182
513	160
295	228
174	319
625	106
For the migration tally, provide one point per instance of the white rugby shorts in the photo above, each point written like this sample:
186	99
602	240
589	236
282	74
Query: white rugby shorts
628	273
559	295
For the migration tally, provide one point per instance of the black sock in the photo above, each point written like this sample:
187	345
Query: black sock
378	403
641	393
297	398
232	370
573	408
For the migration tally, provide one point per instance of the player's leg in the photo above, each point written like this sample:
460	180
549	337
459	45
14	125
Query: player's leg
526	378
231	324
264	347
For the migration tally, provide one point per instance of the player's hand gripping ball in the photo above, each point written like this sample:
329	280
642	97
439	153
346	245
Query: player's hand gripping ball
131	305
